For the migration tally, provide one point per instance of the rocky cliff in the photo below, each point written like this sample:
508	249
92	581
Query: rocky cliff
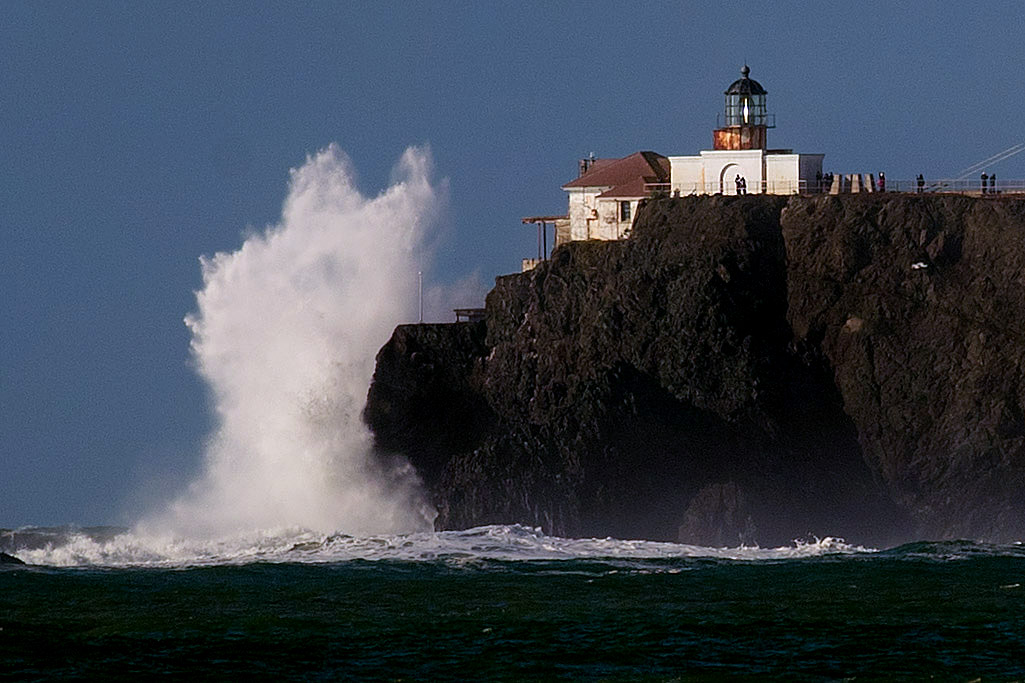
742	369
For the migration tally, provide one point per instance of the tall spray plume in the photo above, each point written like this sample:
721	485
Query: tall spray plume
285	334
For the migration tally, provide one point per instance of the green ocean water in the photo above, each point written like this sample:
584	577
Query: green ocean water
953	611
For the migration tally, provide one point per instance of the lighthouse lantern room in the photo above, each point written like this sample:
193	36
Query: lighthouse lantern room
745	117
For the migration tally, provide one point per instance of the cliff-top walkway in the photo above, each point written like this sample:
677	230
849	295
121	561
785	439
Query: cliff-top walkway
854	183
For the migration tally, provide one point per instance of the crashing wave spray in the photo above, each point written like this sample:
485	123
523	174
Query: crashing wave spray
285	334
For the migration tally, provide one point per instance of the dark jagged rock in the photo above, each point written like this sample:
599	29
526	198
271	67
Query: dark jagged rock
10	559
424	400
742	369
916	303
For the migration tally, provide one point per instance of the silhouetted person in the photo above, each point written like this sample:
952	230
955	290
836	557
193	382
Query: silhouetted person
882	182
993	184
921	183
818	181
984	177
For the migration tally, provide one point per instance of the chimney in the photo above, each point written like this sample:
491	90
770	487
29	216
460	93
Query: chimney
585	164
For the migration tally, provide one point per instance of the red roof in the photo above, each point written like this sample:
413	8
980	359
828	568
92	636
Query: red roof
624	177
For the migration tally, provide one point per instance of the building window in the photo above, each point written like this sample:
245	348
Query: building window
624	211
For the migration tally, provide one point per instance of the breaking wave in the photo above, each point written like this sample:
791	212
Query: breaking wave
285	335
496	543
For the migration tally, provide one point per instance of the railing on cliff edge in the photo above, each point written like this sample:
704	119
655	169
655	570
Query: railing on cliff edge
848	186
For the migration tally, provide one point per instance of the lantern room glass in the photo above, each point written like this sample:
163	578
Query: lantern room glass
745	110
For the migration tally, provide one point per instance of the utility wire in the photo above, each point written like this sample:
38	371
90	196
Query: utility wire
1000	156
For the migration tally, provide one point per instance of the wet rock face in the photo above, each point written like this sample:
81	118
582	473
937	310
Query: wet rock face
423	401
742	369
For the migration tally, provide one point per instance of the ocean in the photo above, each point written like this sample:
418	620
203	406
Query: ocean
503	603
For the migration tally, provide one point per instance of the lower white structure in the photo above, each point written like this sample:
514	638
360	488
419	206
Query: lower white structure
603	200
715	171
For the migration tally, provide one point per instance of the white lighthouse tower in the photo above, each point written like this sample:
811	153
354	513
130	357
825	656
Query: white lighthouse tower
740	156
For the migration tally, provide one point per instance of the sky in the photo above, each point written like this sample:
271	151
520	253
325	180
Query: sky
136	137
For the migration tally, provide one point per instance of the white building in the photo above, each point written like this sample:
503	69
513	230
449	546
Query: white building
740	153
603	199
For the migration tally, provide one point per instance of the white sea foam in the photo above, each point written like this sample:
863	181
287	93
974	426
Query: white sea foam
482	544
285	334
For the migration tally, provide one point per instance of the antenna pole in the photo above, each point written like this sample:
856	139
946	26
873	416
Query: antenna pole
420	279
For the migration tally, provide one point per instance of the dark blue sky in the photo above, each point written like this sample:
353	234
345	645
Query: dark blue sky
135	137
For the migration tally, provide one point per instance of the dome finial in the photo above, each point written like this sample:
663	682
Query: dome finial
744	71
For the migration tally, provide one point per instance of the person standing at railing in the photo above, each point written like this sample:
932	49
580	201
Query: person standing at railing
921	183
984	177
882	181
993	183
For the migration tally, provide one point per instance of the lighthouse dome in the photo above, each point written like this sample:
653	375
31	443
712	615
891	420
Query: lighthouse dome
745	102
745	85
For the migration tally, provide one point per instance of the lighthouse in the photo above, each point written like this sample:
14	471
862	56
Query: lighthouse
604	198
740	158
